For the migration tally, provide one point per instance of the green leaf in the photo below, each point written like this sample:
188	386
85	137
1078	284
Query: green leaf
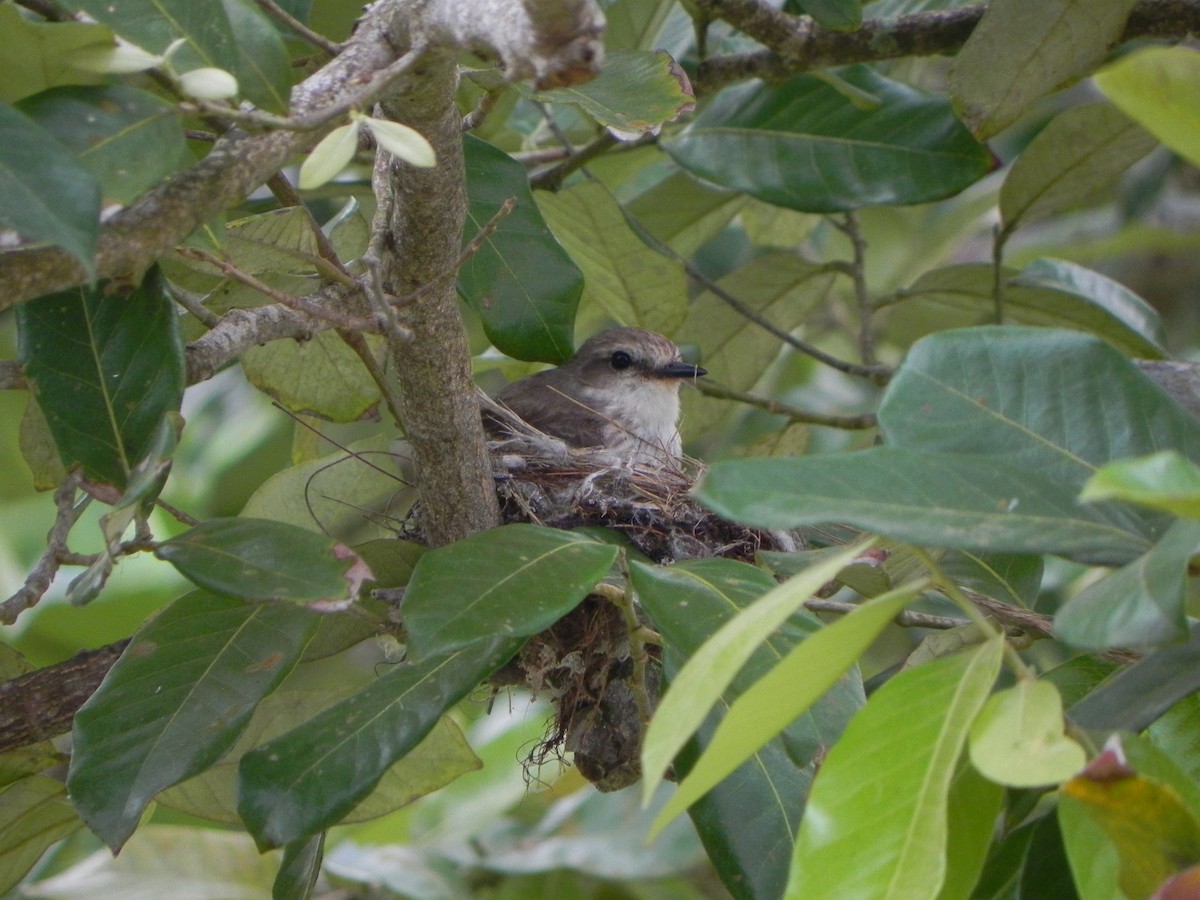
633	284
514	581
308	779
839	15
332	154
707	673
881	836
1055	403
1077	154
1018	739
954	500
1156	87
521	282
128	139
747	822
1023	50
787	691
634	94
1166	481
321	377
1141	603
106	368
34	814
257	559
1152	830
233	35
783	289
805	146
972	808
300	867
46	194
175	701
39	55
402	142
1136	696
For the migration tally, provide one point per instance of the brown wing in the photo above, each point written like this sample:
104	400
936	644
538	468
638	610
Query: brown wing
536	401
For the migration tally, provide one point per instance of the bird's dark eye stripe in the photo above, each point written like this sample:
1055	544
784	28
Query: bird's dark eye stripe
621	360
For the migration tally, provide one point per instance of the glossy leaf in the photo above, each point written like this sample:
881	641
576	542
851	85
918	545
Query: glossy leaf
521	282
806	146
1055	403
307	779
175	701
257	559
1137	695
1166	481
514	581
781	288
1023	50
709	671
34	814
634	94
128	139
1153	832
40	55
106	368
633	284
954	500
971	810
233	35
300	867
1018	740
1077	154
880	836
748	821
46	194
787	691
1049	293
1141	603
1156	87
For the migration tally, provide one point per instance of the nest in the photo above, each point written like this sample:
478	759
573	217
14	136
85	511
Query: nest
585	663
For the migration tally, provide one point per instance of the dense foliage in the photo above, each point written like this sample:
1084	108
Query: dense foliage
934	258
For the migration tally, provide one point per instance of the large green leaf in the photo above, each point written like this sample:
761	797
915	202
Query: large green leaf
955	500
1141	603
1024	49
972	808
521	282
34	814
233	35
876	824
515	580
685	213
46	194
127	138
633	284
806	146
787	691
1071	159
175	701
711	668
106	367
321	377
748	822
1019	740
38	55
1156	86
782	288
635	92
306	780
1050	293
257	559
1056	403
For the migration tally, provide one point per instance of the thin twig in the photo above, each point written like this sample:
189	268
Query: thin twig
287	20
483	108
193	304
300	304
176	513
56	553
287	195
849	423
905	619
857	270
356	342
551	179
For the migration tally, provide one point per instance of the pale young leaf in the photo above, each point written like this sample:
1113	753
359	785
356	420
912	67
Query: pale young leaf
402	142
330	156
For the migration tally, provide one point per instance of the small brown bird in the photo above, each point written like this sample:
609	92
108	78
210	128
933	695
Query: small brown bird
620	391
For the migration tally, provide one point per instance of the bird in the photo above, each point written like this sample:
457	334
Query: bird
620	392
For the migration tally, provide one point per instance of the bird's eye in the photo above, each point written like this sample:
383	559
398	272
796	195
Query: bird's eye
621	360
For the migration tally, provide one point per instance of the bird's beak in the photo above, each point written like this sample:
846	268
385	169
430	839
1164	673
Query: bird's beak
679	370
